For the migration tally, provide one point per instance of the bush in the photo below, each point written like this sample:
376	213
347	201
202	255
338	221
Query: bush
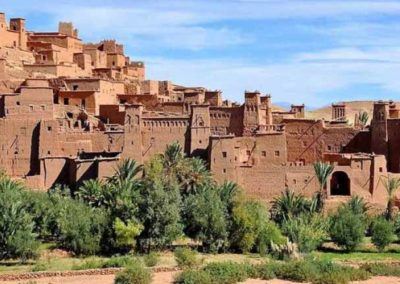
40	266
266	271
269	232
151	259
17	239
382	233
134	274
81	235
185	257
227	272
380	269
194	277
347	229
300	271
307	231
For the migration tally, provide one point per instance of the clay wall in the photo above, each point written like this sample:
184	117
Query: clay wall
393	158
32	102
226	120
213	98
308	140
19	148
81	99
112	114
98	58
115	60
84	61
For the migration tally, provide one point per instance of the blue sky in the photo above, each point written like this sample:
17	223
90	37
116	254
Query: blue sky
300	51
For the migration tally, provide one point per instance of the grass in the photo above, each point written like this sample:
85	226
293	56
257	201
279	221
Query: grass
366	252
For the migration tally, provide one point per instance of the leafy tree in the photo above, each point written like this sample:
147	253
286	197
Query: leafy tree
322	172
126	233
391	185
204	218
347	229
249	219
173	155
17	239
159	207
382	233
80	235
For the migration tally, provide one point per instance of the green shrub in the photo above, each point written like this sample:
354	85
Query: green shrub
17	237
382	269
194	277
227	272
266	271
301	271
382	233
40	266
269	232
81	235
151	259
185	257
347	229
308	231
118	261
134	274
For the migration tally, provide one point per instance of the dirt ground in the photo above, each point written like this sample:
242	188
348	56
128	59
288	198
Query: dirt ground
167	278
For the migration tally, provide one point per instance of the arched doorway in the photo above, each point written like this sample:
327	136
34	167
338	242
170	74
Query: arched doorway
340	184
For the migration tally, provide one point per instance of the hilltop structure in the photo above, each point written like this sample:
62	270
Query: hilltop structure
69	111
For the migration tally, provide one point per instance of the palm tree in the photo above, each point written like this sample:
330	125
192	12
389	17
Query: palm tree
193	173
92	192
363	117
391	185
228	192
322	172
289	205
173	154
127	170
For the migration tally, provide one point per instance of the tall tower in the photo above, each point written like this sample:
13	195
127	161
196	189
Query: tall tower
251	112
339	112
379	130
133	132
18	25
200	130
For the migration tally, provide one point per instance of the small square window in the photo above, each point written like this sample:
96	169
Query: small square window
66	101
18	103
277	153
248	152
329	147
31	108
224	170
224	154
380	169
42	107
48	128
263	153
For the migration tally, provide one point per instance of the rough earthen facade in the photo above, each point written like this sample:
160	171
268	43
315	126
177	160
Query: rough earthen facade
70	111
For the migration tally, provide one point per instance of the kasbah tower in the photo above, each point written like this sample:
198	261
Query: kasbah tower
70	111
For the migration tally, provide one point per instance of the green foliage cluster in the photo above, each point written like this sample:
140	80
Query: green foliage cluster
135	273
312	271
186	257
382	233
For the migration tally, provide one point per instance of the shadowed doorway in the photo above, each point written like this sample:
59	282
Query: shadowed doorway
340	184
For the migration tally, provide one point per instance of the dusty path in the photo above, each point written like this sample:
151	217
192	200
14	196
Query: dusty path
167	278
